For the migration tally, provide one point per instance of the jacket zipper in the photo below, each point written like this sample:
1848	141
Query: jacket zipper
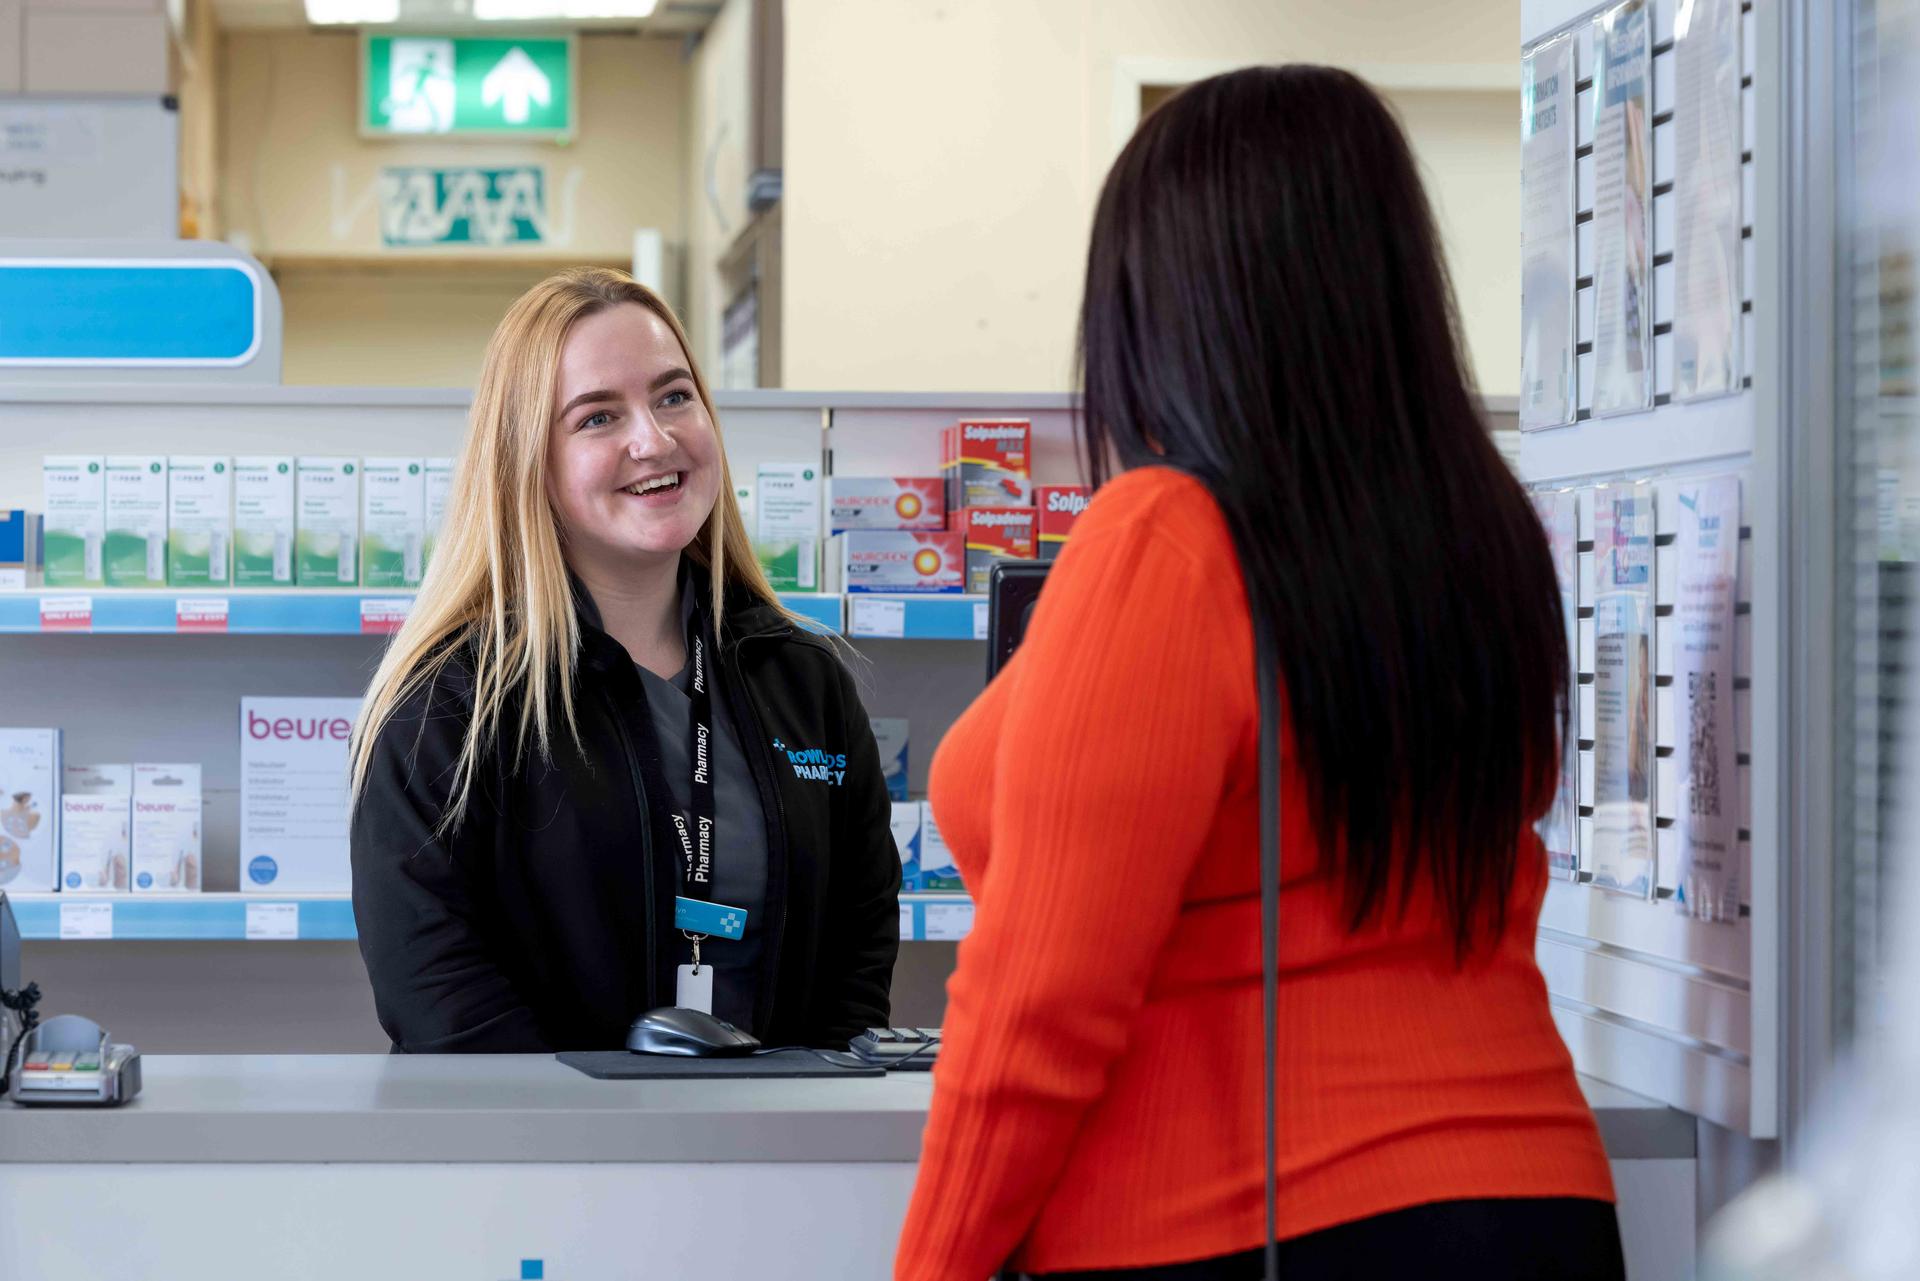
776	820
646	840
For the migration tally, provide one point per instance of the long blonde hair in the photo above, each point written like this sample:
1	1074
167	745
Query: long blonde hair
497	595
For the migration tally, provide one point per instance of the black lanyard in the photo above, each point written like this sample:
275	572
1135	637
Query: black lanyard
695	829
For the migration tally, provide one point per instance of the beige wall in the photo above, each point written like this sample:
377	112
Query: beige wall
942	162
718	160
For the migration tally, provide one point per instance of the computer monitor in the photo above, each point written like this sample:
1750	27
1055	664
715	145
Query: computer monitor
1013	589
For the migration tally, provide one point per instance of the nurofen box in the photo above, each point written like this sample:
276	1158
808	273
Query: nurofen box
887	502
439	485
263	522
890	735
906	838
393	521
937	871
96	834
876	560
787	525
19	550
199	521
293	794
166	828
74	493
29	810
1059	507
995	534
986	462
136	546
326	538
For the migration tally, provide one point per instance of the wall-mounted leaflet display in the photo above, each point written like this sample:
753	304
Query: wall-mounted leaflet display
1621	855
1706	260
1709	879
1560	518
1623	211
1547	318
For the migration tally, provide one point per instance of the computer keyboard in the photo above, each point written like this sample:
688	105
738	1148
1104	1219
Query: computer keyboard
905	1049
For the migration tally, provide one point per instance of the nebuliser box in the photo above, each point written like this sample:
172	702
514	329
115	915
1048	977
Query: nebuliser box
29	810
787	525
199	521
136	553
886	502
439	488
1059	508
73	491
937	871
263	522
874	560
19	550
890	735
96	833
905	823
327	522
393	521
995	534
986	462
166	828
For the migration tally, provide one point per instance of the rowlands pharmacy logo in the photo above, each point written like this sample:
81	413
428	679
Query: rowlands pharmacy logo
814	765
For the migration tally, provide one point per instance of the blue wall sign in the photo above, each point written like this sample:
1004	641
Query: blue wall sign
188	312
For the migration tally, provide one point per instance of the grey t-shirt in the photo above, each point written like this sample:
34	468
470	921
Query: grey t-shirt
740	832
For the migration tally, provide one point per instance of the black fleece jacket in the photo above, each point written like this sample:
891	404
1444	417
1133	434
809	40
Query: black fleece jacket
544	921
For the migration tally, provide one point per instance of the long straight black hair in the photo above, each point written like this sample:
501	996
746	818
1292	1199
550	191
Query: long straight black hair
1267	310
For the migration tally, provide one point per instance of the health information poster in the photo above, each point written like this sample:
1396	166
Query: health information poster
1709	879
1559	518
1622	853
1706	192
1622	212
1546	236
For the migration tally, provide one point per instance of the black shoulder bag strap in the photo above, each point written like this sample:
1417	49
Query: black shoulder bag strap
1269	693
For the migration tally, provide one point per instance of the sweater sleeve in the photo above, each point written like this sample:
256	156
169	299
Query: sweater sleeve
1122	720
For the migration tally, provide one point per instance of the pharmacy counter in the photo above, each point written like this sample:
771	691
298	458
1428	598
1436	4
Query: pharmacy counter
468	1167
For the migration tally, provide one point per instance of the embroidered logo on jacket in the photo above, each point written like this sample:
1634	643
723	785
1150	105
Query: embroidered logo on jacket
814	765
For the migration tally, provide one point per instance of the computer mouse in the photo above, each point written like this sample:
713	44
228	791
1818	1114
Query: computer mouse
691	1033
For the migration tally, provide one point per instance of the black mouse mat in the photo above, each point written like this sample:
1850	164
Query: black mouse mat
621	1065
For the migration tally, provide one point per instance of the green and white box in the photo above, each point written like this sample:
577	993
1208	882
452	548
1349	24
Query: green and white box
393	521
327	533
787	523
439	475
136	521
199	521
263	522
74	523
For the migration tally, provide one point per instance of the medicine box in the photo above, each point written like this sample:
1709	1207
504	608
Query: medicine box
327	522
136	546
199	521
887	502
906	838
29	810
263	522
890	735
74	516
1059	507
393	521
937	871
96	834
995	534
985	462
19	550
900	561
439	487
166	828
293	794
787	525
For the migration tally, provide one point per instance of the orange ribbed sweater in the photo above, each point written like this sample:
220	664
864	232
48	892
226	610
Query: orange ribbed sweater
1098	1097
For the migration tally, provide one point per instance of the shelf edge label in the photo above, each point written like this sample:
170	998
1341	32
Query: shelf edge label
383	615
201	614
66	613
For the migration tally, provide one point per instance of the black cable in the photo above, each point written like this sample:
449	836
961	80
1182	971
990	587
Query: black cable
21	1003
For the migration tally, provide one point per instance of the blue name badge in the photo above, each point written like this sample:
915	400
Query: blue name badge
697	916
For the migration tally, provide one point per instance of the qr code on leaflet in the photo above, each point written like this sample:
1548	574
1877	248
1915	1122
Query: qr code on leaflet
1703	744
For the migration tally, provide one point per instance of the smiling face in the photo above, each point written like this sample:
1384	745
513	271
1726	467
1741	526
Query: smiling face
633	464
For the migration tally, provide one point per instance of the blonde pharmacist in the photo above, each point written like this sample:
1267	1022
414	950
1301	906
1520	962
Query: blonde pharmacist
598	724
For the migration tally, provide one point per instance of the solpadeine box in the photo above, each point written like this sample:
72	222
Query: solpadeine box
886	502
995	534
1059	507
986	462
874	560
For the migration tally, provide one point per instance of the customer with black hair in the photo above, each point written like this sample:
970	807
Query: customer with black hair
1271	360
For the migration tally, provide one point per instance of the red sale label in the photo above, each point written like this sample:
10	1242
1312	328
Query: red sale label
66	613
382	616
200	614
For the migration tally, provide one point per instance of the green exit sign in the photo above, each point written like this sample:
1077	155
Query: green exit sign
416	85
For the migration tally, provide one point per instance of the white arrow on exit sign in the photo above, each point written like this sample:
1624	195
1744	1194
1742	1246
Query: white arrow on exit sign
514	83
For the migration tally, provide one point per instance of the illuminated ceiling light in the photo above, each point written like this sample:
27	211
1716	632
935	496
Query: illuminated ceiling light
352	12
559	10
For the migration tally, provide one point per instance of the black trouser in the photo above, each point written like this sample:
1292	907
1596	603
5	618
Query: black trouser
1518	1239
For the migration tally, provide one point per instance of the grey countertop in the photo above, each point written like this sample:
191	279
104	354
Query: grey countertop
530	1108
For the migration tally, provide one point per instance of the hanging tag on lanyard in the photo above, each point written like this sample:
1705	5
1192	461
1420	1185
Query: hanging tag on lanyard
694	910
693	986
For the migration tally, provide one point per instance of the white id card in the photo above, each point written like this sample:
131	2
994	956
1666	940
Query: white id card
693	990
